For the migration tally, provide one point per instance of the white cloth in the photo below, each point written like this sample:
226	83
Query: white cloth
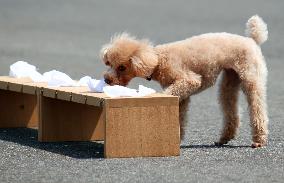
23	69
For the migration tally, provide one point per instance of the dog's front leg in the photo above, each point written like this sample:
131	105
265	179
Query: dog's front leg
185	86
183	108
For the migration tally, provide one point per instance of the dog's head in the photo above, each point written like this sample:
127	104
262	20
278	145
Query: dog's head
127	58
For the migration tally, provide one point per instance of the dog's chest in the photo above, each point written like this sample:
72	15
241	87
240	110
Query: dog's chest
209	78
164	79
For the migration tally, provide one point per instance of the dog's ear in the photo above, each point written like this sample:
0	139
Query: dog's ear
144	61
137	65
104	51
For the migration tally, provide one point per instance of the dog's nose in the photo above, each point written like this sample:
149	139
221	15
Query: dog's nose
107	81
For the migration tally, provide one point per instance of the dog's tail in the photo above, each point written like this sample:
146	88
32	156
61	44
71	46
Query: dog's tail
256	28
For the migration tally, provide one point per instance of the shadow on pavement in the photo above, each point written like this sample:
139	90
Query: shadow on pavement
28	137
80	150
210	146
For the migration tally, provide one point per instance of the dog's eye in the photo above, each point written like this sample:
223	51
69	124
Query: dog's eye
121	68
107	62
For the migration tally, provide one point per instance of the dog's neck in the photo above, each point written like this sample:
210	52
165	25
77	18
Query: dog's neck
160	72
153	74
150	77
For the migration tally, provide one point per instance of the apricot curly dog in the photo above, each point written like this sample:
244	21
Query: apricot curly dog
187	67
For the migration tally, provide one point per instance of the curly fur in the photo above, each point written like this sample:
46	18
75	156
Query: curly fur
257	29
187	67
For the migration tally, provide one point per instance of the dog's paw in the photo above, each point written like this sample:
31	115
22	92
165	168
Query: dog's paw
167	92
257	145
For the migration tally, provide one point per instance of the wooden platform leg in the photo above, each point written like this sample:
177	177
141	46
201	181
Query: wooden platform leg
68	121
133	131
18	110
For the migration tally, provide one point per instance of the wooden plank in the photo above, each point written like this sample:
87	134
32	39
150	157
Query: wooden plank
142	131
18	110
68	121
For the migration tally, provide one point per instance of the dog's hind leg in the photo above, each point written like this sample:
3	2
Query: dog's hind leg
183	107
256	96
228	97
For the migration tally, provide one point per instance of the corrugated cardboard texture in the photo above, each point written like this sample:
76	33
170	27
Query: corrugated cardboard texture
68	121
131	127
18	110
133	131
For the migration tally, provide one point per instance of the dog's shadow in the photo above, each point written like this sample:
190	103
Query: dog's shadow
28	137
81	150
210	146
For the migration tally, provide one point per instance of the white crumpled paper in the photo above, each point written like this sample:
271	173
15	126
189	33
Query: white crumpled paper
84	81
96	85
23	69
143	91
53	78
56	78
121	91
93	84
116	90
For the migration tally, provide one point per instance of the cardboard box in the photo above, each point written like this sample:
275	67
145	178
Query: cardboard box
129	127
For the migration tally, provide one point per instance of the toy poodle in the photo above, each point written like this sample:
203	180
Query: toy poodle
187	67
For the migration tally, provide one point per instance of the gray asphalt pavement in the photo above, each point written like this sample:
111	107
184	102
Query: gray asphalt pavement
67	35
